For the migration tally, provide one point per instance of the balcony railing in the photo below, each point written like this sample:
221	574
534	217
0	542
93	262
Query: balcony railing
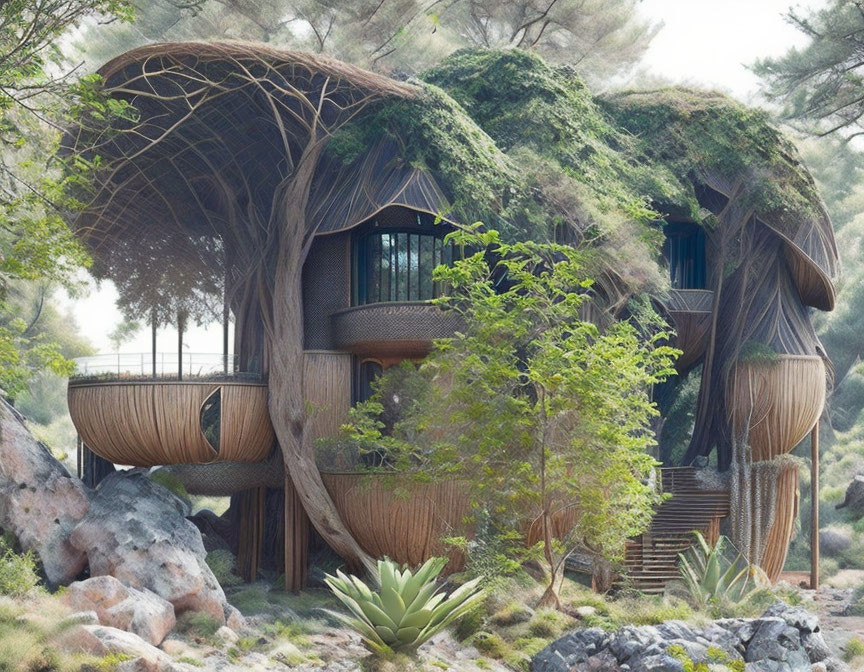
166	364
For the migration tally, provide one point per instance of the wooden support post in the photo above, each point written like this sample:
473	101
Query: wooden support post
181	325
814	507
153	338
225	319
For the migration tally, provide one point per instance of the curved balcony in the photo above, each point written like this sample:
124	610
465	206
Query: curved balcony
690	310
148	422
405	328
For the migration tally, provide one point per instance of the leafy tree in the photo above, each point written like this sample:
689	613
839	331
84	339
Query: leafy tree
35	95
546	415
822	85
601	38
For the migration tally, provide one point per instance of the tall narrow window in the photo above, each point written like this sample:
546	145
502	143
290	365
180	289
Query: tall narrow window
684	249
396	264
367	373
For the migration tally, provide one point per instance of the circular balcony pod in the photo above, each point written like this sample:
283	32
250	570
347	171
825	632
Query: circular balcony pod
775	403
149	423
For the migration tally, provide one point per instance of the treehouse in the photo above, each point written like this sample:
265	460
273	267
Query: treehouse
307	201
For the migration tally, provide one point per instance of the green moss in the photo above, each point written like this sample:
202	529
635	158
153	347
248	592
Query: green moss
198	625
549	623
490	644
688	134
511	614
757	353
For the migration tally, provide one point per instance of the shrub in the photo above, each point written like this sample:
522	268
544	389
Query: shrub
511	614
549	623
198	625
221	562
407	610
18	575
713	578
854	648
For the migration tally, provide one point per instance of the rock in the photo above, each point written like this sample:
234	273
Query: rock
773	640
137	532
784	639
216	532
40	503
585	611
797	617
227	636
658	663
137	611
234	619
854	500
834	540
100	640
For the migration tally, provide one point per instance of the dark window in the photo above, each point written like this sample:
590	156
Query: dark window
684	249
395	264
211	413
367	373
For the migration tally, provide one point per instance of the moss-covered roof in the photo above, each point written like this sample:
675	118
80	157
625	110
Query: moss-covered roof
693	139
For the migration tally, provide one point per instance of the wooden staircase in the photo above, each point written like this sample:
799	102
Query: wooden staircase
651	559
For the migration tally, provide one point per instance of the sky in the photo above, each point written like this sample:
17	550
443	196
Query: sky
705	43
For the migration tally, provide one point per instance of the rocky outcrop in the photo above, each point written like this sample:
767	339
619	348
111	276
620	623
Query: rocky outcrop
140	612
137	532
854	500
40	503
784	639
138	655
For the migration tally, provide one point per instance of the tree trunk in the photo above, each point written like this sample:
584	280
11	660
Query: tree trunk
286	401
550	597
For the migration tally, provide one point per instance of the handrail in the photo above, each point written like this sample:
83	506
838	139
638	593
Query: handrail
159	365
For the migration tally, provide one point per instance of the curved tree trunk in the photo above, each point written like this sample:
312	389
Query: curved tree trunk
286	402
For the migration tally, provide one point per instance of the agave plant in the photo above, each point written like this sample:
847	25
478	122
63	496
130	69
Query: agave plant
711	577
407	610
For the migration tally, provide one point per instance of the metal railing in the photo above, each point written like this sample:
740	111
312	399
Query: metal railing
166	364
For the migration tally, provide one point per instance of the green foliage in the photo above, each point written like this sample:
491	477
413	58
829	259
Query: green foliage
854	648
686	133
757	353
549	623
198	625
522	402
18	571
406	610
712	578
820	85
222	562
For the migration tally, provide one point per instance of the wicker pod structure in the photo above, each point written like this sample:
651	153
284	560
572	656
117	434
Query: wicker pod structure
399	517
690	311
785	515
149	423
775	404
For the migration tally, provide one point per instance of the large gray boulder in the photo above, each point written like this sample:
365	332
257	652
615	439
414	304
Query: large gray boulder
40	503
137	532
854	500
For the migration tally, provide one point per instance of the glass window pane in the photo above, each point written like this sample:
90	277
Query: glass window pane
425	264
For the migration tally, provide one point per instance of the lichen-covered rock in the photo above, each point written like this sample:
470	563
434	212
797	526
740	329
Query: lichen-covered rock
140	612
40	503
137	532
785	639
